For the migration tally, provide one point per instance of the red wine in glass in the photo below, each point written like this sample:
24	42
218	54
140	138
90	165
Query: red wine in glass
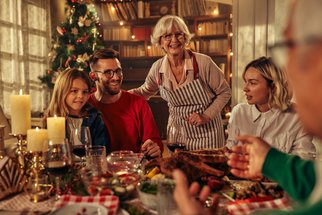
174	146
79	150
57	168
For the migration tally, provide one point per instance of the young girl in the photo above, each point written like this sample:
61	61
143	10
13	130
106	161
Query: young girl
69	99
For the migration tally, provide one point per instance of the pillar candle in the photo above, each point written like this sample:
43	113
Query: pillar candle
20	113
56	128
36	139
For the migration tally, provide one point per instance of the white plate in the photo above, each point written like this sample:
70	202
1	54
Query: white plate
77	208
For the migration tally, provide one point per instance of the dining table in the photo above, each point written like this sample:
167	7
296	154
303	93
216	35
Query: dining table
20	203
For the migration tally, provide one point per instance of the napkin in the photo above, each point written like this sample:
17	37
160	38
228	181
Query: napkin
110	202
247	208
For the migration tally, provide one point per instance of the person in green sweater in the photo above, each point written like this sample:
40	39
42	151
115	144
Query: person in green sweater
301	179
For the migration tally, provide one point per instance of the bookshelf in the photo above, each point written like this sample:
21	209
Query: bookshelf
126	26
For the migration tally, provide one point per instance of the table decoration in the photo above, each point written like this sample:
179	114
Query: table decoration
248	208
56	127
38	187
111	202
20	113
11	177
20	123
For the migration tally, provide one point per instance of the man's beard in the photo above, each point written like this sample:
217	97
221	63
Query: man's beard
108	90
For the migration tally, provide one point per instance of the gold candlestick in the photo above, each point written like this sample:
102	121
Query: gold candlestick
37	185
21	149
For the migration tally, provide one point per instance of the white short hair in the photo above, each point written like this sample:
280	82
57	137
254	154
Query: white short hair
307	19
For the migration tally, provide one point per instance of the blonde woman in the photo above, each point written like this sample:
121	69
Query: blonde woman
69	99
269	113
190	82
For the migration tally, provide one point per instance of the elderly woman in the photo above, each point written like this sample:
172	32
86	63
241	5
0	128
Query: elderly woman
191	83
269	113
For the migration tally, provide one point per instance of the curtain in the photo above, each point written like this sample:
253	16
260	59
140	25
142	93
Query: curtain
24	46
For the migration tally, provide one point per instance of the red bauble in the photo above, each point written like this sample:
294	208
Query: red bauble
49	72
74	1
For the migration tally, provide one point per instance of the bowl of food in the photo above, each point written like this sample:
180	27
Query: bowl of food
147	192
96	184
120	162
124	185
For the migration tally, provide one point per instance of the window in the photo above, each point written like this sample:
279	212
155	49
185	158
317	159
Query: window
24	46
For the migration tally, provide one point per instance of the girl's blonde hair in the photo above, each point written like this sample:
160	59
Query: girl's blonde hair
164	26
63	84
280	95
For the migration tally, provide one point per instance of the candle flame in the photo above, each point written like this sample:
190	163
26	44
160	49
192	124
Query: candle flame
55	116
37	128
20	92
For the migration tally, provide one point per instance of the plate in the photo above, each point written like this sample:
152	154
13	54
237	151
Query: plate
81	208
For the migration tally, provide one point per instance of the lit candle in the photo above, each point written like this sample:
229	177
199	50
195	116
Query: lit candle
20	113
56	129
36	139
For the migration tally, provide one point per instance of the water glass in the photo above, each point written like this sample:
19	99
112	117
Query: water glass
166	202
96	159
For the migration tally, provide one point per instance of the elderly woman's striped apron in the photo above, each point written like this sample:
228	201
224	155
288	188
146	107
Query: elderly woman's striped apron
189	99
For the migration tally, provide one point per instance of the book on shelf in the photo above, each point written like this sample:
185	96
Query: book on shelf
117	11
212	28
191	7
153	51
109	12
117	33
142	32
133	50
213	46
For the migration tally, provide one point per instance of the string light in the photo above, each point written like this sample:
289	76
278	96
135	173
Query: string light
121	23
133	37
230	34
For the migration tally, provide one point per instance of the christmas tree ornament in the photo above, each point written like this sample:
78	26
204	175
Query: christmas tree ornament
88	22
60	30
81	21
74	31
70	47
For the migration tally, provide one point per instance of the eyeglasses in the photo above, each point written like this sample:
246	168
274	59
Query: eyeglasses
279	50
109	73
178	36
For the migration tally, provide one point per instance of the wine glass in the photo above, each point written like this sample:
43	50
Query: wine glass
175	137
80	139
58	161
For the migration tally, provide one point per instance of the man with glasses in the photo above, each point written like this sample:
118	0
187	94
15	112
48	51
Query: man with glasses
301	179
127	117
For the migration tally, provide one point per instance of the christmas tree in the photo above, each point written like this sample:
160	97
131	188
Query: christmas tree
75	40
